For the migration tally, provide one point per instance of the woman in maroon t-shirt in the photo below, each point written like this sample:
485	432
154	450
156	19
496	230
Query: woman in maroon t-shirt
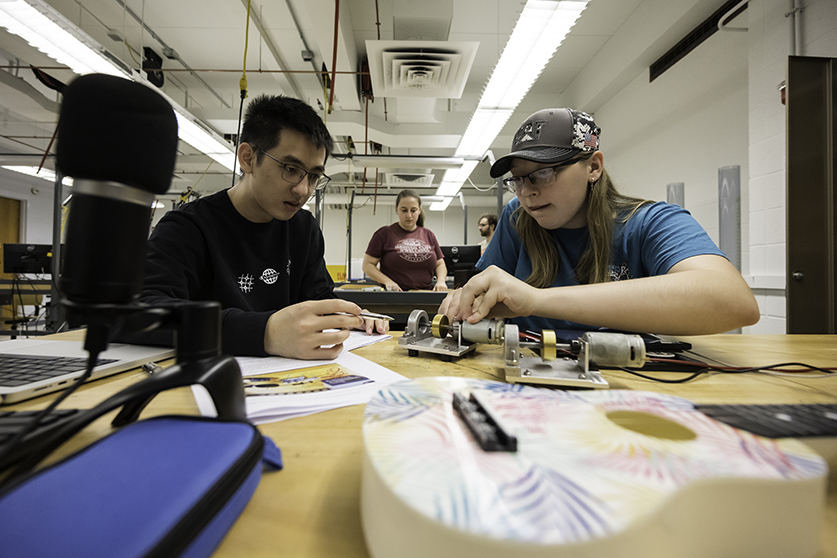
409	255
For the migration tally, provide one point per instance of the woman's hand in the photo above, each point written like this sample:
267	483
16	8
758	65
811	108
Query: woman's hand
450	305
370	268
440	286
492	293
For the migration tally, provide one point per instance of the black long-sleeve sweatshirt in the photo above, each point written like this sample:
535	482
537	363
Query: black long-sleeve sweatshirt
208	251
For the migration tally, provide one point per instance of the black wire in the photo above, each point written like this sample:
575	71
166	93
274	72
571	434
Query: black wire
18	280
18	437
705	369
24	323
16	287
54	304
664	380
802	365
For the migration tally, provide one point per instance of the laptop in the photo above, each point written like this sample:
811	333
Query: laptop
33	367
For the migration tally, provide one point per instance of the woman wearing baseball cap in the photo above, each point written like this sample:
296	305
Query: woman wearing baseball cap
571	252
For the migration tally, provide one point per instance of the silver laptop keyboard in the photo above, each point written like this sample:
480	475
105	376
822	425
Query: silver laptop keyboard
18	370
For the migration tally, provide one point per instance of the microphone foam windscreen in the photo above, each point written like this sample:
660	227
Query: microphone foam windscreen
113	129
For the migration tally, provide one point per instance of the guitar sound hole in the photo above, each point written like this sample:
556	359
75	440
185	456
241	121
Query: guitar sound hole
651	425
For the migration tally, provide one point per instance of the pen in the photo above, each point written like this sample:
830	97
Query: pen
372	315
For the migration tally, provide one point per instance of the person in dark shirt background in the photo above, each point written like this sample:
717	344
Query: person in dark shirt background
409	254
487	224
252	249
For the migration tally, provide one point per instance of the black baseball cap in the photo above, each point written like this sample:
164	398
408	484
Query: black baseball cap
551	136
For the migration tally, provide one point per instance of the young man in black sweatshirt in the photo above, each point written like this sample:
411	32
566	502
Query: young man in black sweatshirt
252	249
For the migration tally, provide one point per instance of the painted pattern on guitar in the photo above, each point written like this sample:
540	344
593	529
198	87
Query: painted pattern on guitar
589	465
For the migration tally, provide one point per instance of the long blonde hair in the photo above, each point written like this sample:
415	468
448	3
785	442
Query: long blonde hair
605	206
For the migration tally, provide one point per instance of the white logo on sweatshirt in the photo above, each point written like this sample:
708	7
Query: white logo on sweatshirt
245	283
269	276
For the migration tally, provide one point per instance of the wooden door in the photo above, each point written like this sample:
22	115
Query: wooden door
9	233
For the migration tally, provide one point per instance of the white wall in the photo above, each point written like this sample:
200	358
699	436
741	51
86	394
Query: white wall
682	127
769	46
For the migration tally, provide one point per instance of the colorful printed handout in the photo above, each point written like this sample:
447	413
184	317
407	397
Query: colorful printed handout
279	388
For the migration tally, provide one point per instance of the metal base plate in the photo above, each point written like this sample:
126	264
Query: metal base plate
563	372
447	346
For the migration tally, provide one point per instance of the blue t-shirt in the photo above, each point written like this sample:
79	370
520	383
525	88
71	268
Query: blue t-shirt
658	236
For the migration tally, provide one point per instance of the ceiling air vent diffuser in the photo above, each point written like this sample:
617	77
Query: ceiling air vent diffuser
433	69
408	180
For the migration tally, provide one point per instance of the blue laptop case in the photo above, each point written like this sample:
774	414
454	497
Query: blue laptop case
166	486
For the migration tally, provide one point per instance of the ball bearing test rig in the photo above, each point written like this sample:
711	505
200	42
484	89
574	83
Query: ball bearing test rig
578	369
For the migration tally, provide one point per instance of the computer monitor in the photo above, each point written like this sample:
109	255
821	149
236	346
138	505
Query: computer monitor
461	262
27	258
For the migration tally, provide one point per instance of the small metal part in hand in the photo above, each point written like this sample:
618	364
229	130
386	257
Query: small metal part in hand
151	368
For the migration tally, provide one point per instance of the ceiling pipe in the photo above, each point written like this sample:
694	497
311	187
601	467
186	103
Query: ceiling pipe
729	16
388	199
407	161
307	51
176	70
795	23
334	57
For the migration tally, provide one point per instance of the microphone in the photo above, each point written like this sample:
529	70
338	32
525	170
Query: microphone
117	139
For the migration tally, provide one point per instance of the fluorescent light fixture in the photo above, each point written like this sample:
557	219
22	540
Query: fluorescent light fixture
448	188
461	174
48	31
454	178
440	205
484	126
44	174
539	32
204	140
194	132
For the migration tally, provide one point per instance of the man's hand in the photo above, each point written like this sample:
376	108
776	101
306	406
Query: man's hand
297	331
371	324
